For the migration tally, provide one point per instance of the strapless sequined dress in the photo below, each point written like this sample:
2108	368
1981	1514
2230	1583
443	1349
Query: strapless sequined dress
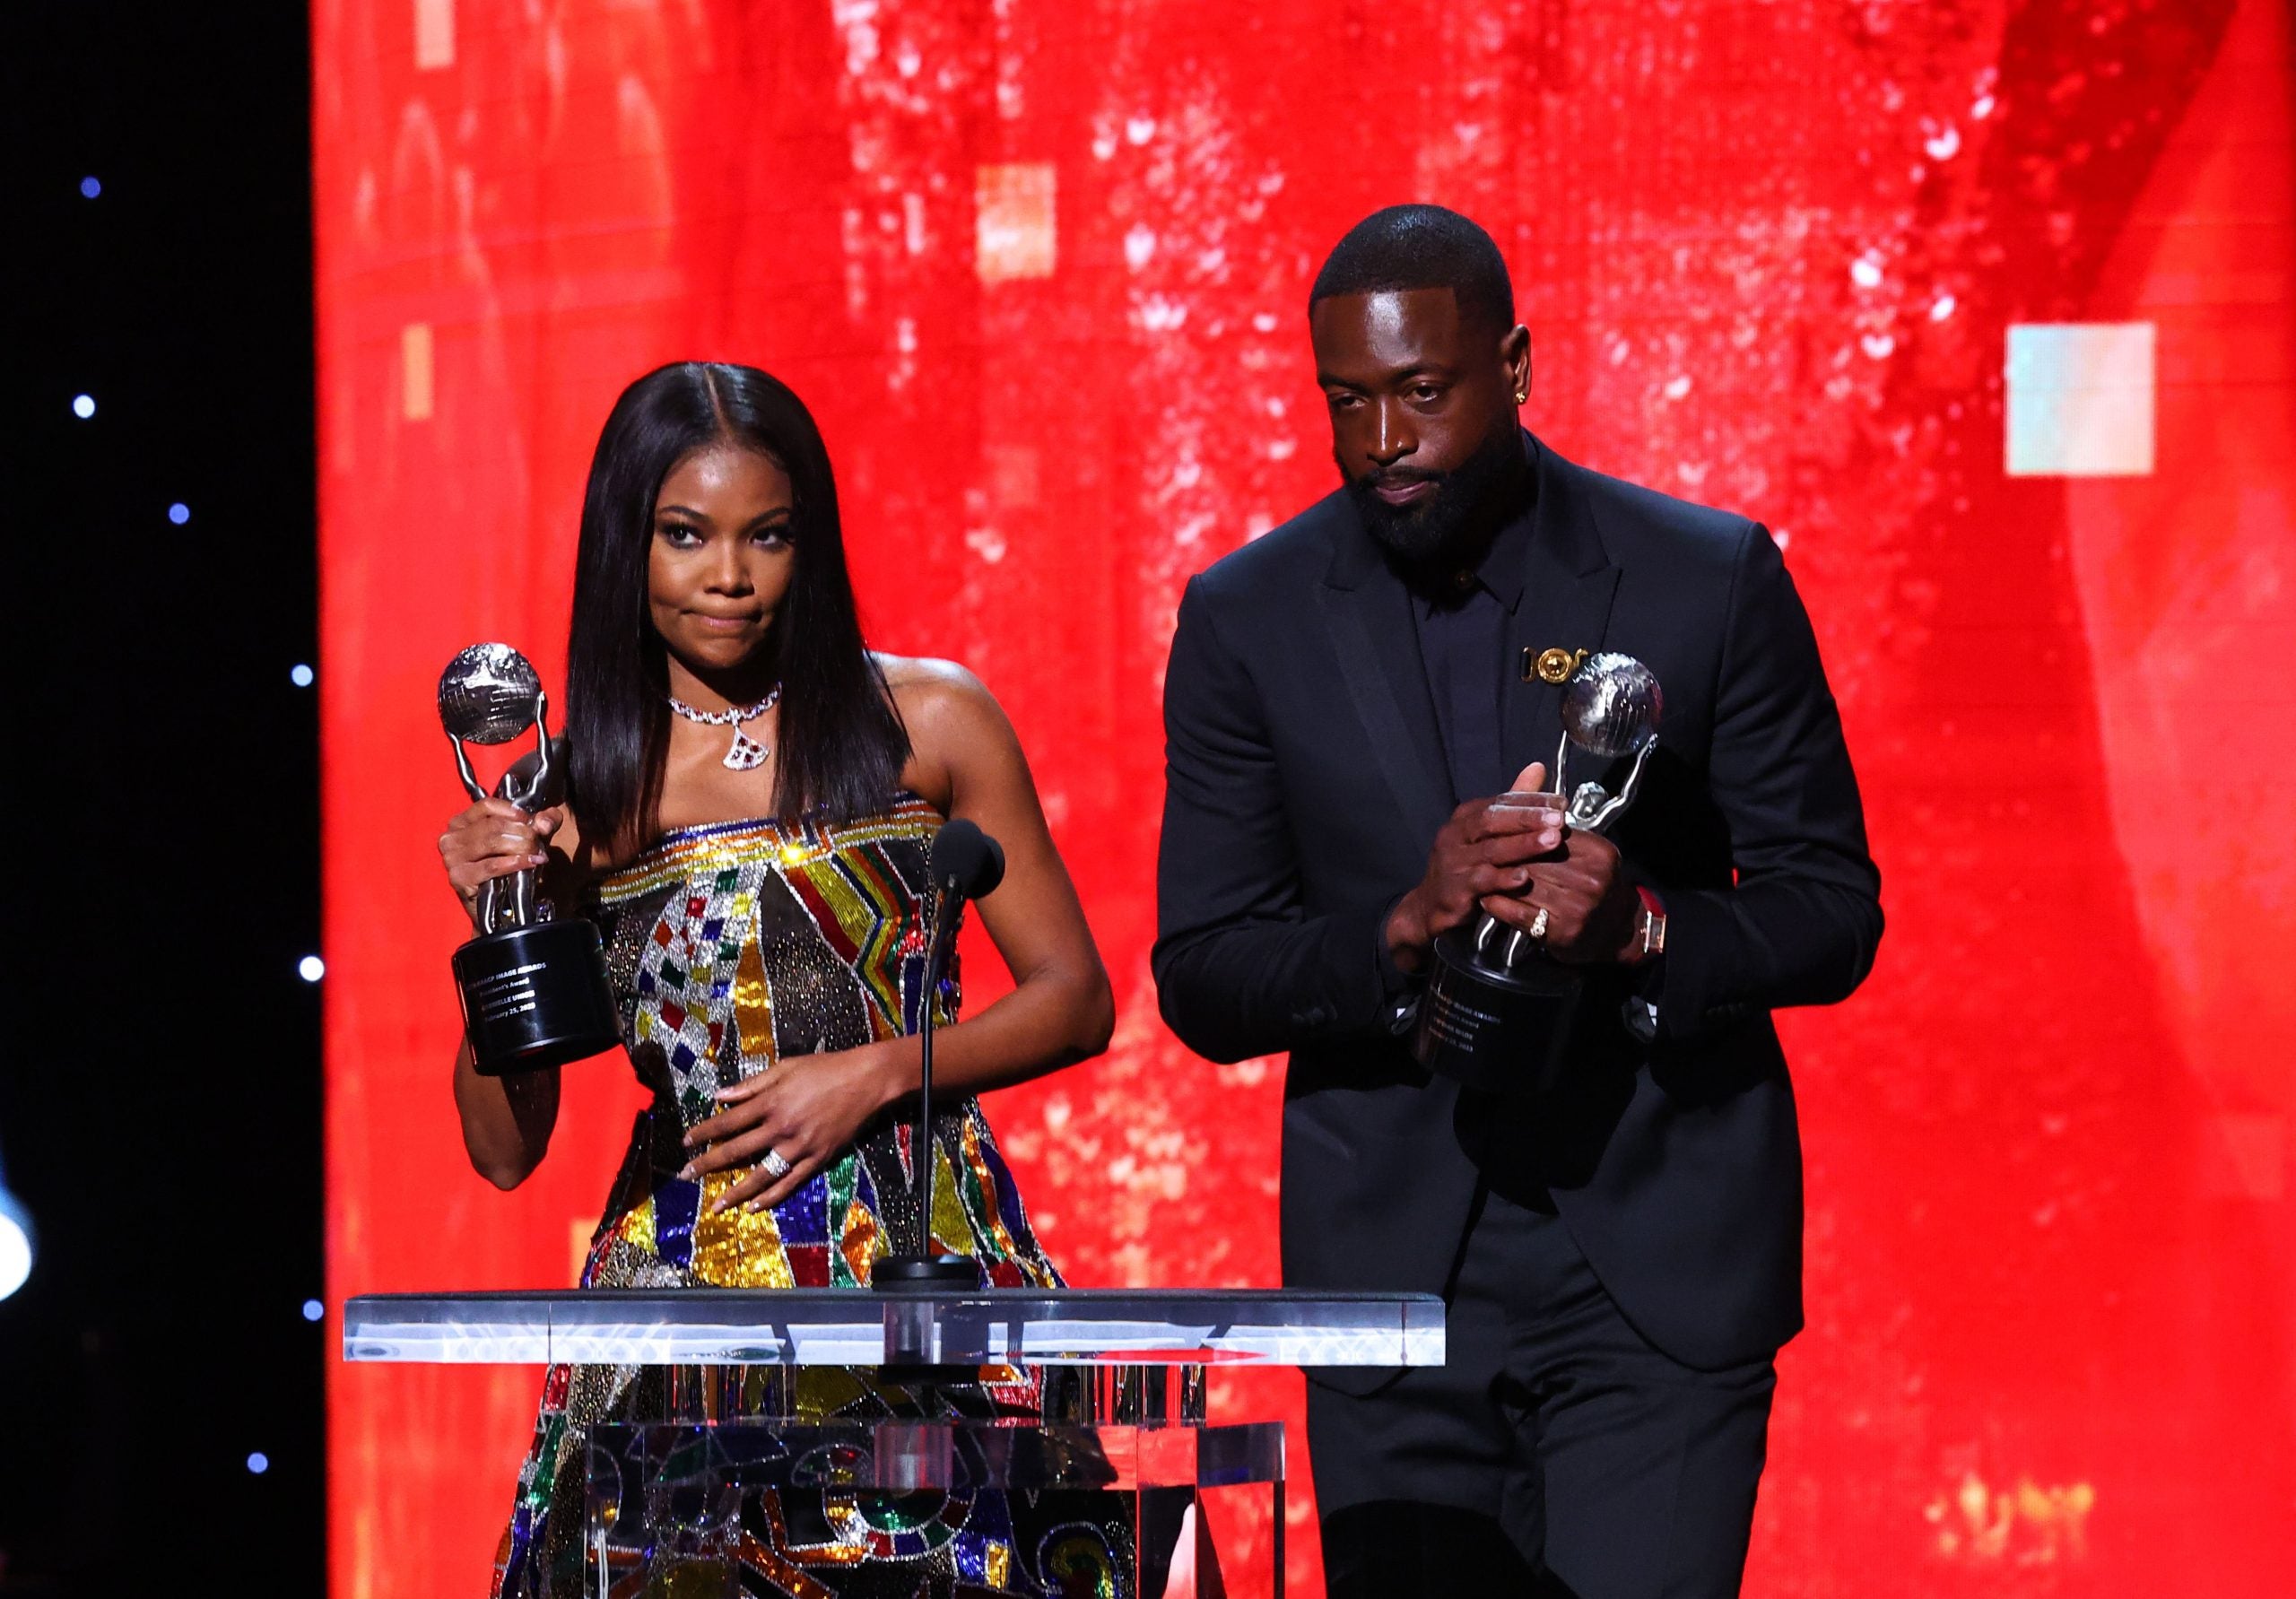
732	946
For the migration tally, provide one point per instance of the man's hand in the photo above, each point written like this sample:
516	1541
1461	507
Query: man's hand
1590	907
1481	856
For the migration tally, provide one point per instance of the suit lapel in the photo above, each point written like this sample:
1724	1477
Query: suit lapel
1567	591
1368	612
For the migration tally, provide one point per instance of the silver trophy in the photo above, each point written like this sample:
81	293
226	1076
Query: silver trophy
1610	709
489	695
534	990
1498	1009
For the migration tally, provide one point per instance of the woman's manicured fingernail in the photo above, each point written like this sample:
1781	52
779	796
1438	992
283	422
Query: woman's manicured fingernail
685	1172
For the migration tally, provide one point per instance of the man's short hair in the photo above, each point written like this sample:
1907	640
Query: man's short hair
1421	246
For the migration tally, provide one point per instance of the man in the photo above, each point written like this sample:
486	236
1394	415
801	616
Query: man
1621	1254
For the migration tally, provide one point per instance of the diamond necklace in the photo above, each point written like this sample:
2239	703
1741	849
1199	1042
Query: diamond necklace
746	754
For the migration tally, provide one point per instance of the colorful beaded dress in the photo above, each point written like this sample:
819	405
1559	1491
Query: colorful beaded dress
732	946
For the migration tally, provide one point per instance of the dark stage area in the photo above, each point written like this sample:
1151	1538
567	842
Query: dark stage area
160	1103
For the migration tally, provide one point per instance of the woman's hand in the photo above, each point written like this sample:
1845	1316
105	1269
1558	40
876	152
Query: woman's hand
494	838
806	1108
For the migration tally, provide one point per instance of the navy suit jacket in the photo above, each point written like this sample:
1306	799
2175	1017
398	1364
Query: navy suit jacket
1306	783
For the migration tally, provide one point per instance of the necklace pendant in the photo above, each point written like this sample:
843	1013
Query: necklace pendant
747	754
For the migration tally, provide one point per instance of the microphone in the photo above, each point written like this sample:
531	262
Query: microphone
965	863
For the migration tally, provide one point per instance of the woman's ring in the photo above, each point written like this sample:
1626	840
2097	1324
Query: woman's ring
1538	928
774	1165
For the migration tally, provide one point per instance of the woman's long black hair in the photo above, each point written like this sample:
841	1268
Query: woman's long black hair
841	744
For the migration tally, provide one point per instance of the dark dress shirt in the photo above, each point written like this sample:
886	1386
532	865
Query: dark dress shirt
1463	620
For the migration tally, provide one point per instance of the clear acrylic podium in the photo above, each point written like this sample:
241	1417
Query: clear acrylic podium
1121	1380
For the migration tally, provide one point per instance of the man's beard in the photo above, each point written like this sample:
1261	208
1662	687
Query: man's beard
1456	518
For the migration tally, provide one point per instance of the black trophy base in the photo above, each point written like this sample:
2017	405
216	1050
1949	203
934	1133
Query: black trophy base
535	997
1501	1028
933	1273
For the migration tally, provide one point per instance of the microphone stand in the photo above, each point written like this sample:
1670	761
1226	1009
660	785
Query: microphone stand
925	1271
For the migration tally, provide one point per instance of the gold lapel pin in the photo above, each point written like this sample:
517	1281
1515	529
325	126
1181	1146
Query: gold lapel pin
1551	665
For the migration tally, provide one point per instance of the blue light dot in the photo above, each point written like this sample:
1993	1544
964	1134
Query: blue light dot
258	1463
300	675
83	407
178	513
313	1310
90	189
311	968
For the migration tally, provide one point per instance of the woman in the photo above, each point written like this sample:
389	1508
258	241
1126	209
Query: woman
752	797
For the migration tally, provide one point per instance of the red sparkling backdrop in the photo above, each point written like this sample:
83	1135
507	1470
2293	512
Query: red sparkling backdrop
1039	269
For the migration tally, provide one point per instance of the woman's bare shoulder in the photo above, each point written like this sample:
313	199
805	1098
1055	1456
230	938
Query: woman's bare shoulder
954	723
926	688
